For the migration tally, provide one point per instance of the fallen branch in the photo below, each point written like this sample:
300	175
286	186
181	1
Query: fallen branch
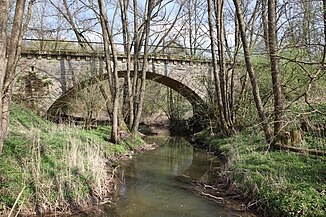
300	150
210	187
219	199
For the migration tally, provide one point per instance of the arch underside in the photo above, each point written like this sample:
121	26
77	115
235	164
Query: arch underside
197	103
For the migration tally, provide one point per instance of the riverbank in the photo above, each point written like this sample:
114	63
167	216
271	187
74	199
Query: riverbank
273	183
49	168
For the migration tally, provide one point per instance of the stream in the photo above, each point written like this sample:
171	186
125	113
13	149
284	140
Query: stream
150	184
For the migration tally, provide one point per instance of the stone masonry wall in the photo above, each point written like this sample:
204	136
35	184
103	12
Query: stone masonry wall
55	75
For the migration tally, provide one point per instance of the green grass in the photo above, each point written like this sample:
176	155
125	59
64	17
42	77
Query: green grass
287	183
58	166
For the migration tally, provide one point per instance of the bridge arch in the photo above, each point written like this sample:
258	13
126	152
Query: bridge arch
198	104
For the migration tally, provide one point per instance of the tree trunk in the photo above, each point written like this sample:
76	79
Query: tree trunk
276	80
190	28
324	15
306	27
108	101
215	68
126	38
233	70
250	70
13	53
219	13
4	11
136	59
264	23
144	68
108	39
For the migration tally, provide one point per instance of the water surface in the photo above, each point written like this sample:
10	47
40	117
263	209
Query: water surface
150	186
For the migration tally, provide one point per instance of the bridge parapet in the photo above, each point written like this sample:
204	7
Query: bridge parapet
79	55
58	49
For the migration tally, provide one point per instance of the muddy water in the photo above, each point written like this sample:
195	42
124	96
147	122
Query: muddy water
150	186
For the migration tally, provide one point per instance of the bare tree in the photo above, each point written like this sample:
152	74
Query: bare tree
219	14
150	7
192	27
215	69
255	88
4	11
13	51
142	36
276	80
124	5
66	13
109	40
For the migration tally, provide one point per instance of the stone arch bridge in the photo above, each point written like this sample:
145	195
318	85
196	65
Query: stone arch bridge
54	75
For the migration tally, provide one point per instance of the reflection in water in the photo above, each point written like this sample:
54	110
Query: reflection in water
151	188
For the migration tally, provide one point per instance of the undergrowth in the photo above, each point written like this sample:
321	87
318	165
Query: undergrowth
56	168
287	183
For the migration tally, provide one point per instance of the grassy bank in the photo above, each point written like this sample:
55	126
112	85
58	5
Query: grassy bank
51	168
279	183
